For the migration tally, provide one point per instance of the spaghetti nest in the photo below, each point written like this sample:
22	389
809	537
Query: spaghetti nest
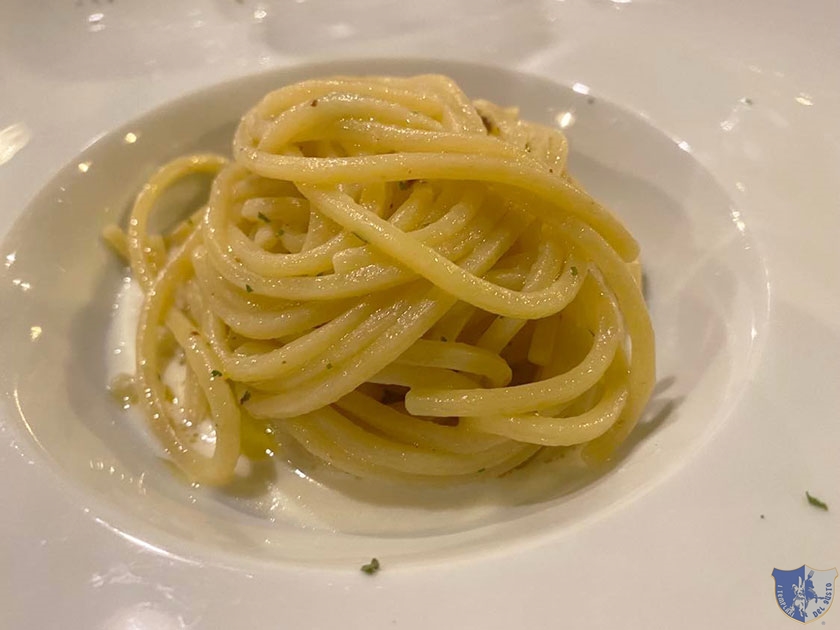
404	282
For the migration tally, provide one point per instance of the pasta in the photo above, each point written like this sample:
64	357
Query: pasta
405	283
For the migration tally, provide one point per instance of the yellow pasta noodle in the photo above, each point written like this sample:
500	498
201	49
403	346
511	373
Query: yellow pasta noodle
406	283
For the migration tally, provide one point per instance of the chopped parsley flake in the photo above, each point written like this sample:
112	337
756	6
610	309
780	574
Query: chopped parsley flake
279	233
249	288
329	365
215	373
371	567
481	470
442	338
245	397
817	503
262	217
747	101
574	270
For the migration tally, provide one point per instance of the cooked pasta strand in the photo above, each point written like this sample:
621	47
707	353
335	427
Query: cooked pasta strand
406	283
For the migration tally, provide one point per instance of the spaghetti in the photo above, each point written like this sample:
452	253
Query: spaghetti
406	283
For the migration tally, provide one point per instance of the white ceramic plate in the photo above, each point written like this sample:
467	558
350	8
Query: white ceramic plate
721	157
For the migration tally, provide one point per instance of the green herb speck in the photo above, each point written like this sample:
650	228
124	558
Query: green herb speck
249	288
329	365
371	567
817	503
574	270
279	233
444	339
481	469
245	397
215	373
262	217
